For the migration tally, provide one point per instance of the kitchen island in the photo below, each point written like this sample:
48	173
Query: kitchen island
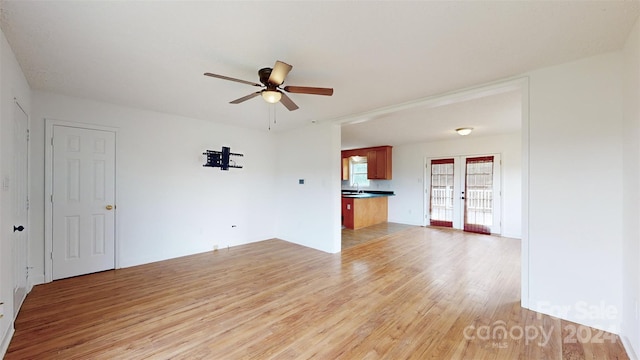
362	209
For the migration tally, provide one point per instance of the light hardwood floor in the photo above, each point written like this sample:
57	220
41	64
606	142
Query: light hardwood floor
416	294
351	237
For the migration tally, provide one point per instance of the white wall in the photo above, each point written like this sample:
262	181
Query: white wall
168	204
575	190
12	85
309	214
407	206
631	191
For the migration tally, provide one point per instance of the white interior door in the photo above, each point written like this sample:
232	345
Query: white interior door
20	205
83	209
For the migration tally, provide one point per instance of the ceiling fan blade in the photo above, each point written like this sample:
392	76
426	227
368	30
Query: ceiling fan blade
279	72
232	79
288	103
309	90
245	98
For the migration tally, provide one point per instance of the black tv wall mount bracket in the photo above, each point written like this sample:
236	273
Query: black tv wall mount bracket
221	159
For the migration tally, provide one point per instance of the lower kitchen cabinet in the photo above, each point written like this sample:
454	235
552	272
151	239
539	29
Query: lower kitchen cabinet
362	212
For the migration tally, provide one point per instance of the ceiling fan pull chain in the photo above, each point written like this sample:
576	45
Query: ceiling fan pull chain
273	106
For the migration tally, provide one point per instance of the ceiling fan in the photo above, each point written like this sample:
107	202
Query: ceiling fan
271	80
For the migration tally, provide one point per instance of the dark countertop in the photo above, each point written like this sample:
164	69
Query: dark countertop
365	194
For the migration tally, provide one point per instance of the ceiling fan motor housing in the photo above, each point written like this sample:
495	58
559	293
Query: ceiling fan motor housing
264	74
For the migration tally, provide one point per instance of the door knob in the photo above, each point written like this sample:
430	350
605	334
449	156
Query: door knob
18	228
108	207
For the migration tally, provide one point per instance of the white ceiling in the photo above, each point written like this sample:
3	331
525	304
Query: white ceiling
152	55
487	115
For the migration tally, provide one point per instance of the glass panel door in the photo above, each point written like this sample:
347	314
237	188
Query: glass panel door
441	202
478	195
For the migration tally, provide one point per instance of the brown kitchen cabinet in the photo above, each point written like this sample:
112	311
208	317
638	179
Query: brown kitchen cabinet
347	213
345	168
358	213
378	162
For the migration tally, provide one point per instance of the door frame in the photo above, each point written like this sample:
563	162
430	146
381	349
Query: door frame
520	83
28	280
459	171
48	181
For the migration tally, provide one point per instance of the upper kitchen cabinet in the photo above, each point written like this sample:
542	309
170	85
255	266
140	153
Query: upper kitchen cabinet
345	168
378	162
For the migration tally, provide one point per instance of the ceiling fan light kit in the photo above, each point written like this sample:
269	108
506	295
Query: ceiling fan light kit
271	96
270	80
464	131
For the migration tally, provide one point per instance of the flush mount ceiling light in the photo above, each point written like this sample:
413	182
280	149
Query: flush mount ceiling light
464	131
271	96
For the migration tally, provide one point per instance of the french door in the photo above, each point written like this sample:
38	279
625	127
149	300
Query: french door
442	186
463	192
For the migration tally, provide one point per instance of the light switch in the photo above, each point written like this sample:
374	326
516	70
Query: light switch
6	181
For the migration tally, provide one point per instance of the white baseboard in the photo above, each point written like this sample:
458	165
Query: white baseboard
32	281
5	342
511	236
35	280
628	348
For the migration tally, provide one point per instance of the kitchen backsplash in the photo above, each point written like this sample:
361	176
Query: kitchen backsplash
373	185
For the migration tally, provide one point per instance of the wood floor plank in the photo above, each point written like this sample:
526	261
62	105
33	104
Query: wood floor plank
405	293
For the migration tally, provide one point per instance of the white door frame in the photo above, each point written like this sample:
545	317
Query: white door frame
520	83
28	284
48	180
516	83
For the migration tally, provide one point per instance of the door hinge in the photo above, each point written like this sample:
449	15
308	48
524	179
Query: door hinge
27	203
51	255
51	141
27	134
52	198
